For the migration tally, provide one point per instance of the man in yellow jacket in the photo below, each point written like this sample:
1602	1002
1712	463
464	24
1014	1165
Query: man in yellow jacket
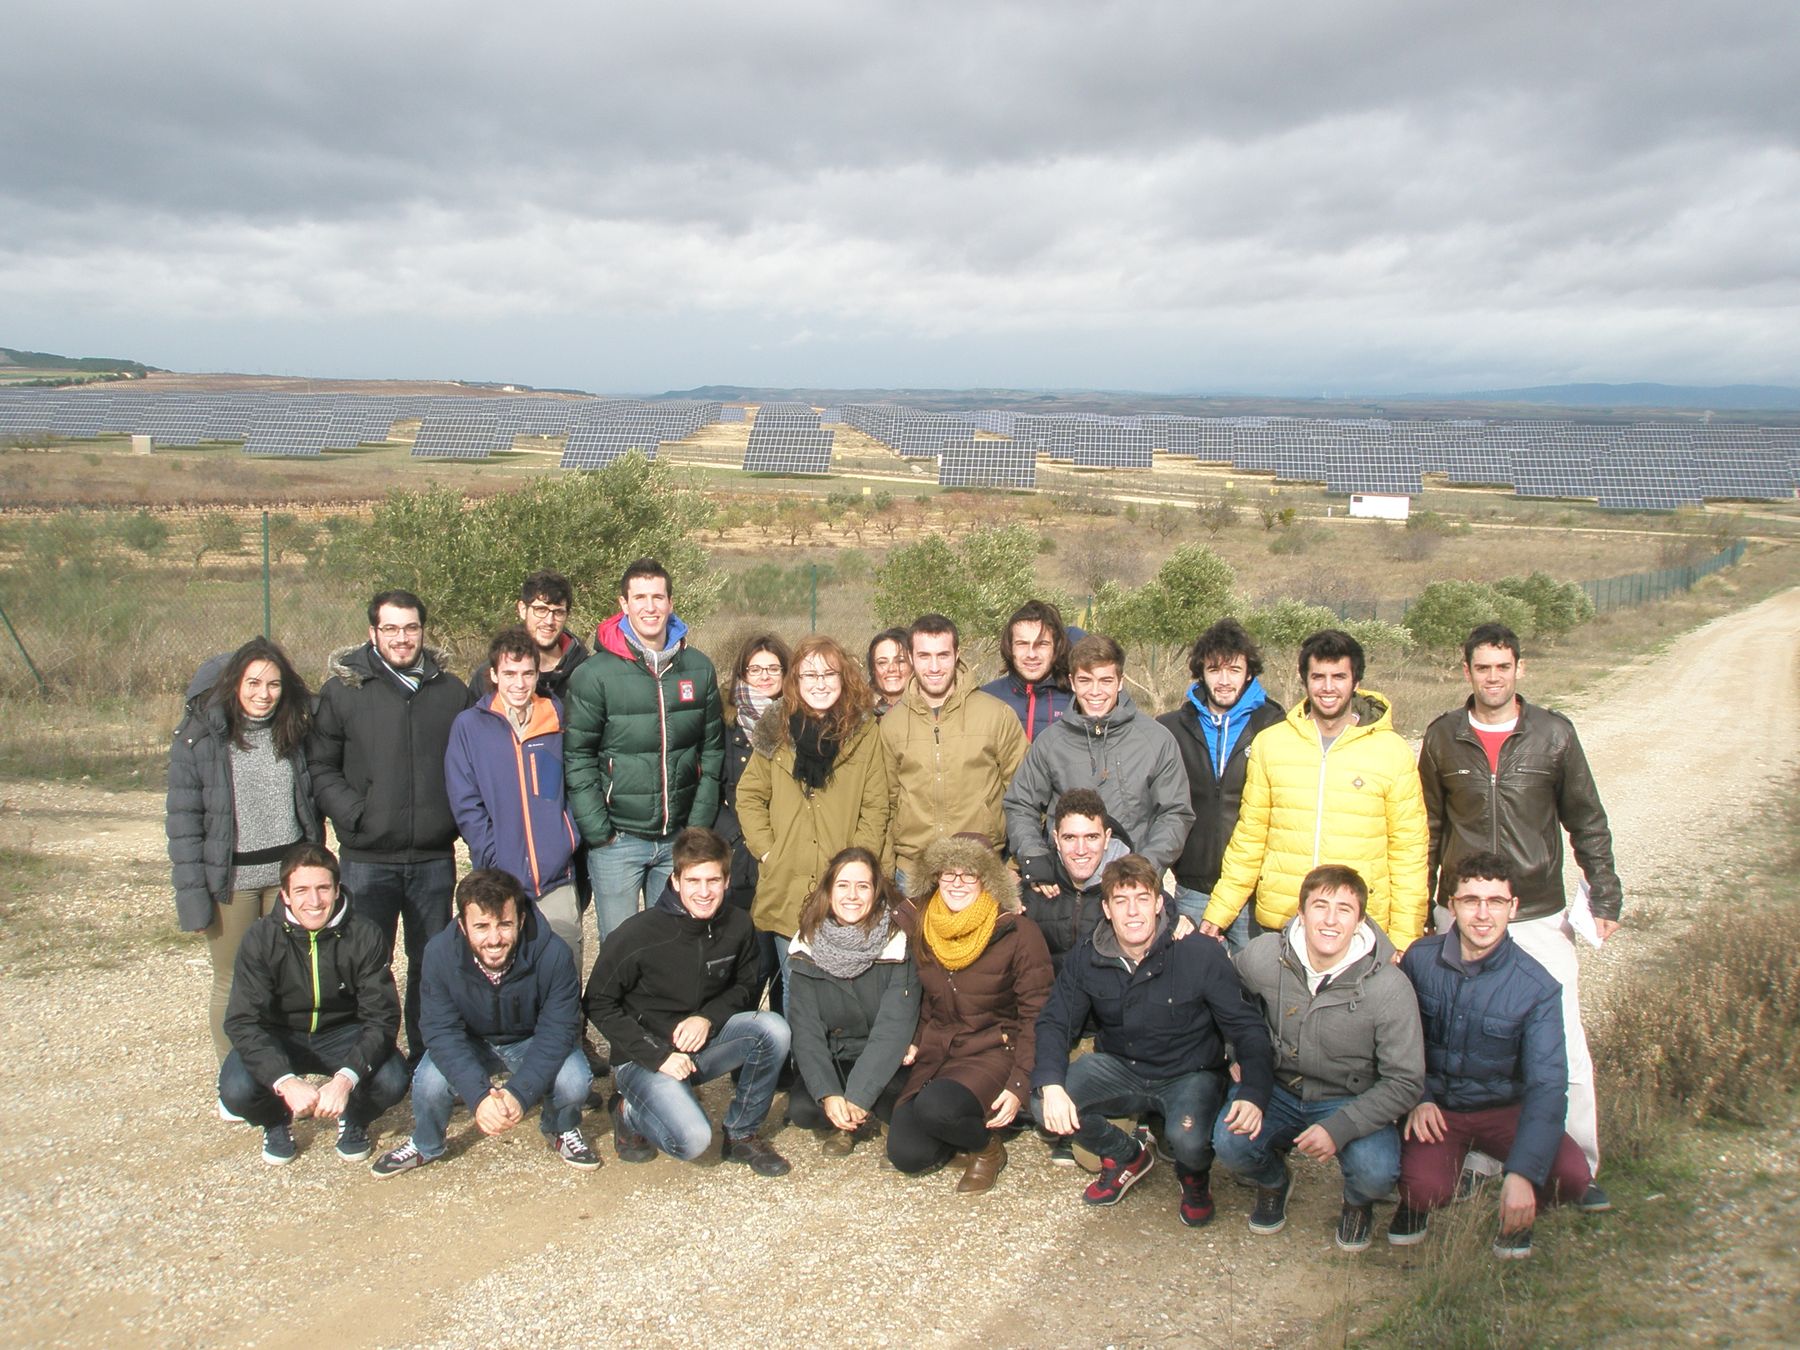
1333	783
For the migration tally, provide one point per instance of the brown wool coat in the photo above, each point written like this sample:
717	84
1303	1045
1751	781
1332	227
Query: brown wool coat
978	1025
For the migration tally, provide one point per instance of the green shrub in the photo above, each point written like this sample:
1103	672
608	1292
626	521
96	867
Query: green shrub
1556	606
1446	610
144	532
978	582
1288	623
1190	592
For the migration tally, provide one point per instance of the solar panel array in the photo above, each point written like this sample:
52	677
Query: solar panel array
969	462
294	431
459	434
787	447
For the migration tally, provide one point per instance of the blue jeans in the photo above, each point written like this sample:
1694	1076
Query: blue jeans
420	894
666	1111
322	1052
434	1098
621	871
1371	1164
1105	1085
1243	928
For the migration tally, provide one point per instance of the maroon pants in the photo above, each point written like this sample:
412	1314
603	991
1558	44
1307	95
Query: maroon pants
1429	1172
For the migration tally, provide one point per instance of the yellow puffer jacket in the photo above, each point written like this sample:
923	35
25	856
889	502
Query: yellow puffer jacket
1358	804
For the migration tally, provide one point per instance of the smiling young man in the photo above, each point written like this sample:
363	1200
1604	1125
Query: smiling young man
1106	744
644	746
1034	655
1349	1056
1496	1072
1163	1011
674	992
500	996
312	994
1332	782
545	601
1067	906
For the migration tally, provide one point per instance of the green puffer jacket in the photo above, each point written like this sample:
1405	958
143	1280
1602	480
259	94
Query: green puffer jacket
642	753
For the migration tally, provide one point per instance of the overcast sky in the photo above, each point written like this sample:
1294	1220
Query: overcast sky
1304	197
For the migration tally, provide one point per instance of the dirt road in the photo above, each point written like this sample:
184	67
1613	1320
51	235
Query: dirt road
130	1212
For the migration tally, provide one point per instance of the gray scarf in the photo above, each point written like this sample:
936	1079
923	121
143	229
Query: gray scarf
844	952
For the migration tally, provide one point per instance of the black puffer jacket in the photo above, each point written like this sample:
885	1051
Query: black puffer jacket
377	758
201	809
550	683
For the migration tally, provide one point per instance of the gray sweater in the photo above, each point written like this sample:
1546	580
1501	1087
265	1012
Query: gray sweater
262	785
1358	1037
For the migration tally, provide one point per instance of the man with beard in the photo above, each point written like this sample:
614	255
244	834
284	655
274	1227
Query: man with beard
1034	649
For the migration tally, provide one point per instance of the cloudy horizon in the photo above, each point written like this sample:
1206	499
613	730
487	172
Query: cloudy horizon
1323	198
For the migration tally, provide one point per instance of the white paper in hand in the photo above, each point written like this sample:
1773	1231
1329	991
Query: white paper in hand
1580	916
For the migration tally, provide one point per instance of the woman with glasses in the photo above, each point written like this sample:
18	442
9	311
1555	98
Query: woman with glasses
816	783
890	667
853	1004
755	688
239	798
984	973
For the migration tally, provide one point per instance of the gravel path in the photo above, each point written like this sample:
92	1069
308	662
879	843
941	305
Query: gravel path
131	1212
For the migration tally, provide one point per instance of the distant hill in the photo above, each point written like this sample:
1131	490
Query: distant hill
1732	397
94	365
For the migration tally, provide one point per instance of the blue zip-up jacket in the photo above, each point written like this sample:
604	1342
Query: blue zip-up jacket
1215	750
1494	1037
506	793
1038	705
538	998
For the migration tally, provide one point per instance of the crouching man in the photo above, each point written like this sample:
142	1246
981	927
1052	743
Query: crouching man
1349	1056
674	993
499	994
1496	1070
312	993
1164	1010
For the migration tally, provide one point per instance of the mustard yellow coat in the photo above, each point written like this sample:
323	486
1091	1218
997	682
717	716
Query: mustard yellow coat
1359	804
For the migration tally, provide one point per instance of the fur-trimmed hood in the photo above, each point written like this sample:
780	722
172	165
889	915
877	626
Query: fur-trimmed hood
357	665
957	854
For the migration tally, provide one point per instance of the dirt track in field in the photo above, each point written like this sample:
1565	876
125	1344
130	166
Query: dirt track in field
132	1214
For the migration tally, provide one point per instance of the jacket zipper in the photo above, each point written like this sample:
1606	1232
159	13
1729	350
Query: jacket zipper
1319	804
312	942
662	724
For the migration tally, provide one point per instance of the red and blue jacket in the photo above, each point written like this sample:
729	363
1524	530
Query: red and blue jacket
506	792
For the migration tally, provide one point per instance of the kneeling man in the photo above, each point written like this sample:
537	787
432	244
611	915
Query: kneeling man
499	994
1349	1057
1496	1067
1164	1010
674	992
312	994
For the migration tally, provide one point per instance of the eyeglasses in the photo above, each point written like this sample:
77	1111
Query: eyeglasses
958	879
394	630
769	672
819	676
539	611
1482	901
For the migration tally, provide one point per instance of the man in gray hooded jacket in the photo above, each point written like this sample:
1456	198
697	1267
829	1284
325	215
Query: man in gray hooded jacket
1103	743
1349	1054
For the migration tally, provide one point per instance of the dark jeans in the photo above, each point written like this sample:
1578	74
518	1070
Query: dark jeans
1105	1085
321	1052
940	1119
420	894
805	1111
1429	1172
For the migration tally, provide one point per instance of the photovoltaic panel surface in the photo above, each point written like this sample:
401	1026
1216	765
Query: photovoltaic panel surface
459	434
788	449
967	462
290	432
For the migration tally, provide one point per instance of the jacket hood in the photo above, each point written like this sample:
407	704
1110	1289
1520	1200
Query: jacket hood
208	675
1379	954
609	636
357	665
1106	942
546	714
340	914
1115	717
960	688
1253	697
957	854
1374	712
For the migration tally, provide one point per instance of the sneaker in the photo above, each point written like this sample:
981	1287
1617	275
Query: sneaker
1062	1150
1196	1197
574	1150
1355	1224
1466	1184
278	1146
398	1160
227	1114
1407	1227
1270	1214
353	1141
631	1146
1118	1177
1514	1246
1594	1201
759	1155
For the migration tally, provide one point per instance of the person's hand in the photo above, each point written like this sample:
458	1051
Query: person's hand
1184	927
1243	1117
1004	1107
1425	1122
838	1112
1236	1071
1518	1203
1605	928
1046	888
912	1053
1212	930
498	1112
1315	1142
858	1116
677	1066
333	1097
691	1033
300	1097
1060	1115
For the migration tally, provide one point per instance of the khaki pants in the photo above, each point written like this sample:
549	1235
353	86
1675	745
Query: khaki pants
232	918
562	912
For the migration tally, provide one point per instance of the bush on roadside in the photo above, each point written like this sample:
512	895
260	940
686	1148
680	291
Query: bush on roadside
1445	611
1189	592
977	582
1556	606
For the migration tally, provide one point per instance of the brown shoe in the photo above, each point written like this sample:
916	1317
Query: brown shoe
836	1143
984	1168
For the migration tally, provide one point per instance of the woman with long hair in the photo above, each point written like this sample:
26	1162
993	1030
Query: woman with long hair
816	783
890	667
853	1004
984	974
239	797
763	661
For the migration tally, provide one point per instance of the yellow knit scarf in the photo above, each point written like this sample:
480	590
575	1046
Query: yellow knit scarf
957	937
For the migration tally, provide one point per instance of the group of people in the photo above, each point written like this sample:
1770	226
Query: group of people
905	898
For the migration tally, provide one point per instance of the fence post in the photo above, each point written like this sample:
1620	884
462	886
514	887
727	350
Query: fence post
268	611
815	600
30	665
